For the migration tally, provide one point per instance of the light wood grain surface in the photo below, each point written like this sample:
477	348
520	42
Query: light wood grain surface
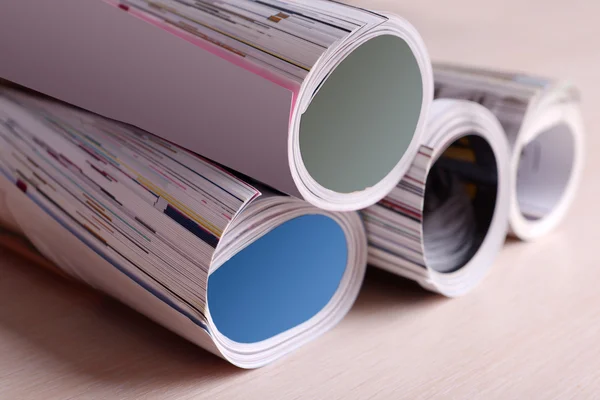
531	330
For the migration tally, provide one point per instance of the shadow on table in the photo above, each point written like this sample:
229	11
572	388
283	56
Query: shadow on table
383	291
91	334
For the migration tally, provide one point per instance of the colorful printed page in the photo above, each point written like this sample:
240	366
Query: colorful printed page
288	37
137	200
153	224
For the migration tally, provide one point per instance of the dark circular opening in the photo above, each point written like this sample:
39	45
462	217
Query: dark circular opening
460	200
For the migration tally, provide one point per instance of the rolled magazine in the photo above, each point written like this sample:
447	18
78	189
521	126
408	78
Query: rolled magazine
317	99
446	220
239	269
543	124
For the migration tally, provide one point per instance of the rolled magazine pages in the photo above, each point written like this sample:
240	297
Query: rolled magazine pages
249	275
445	222
544	127
317	99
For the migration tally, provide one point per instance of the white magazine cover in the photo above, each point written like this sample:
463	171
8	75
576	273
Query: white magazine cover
318	99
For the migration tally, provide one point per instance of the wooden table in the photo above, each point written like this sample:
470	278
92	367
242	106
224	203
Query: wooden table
531	330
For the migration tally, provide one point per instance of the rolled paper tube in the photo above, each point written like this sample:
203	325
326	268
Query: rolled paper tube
330	110
543	123
245	272
445	222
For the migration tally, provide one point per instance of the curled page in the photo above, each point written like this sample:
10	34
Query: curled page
317	99
543	124
238	269
445	222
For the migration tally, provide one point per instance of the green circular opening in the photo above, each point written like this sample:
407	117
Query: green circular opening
363	118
